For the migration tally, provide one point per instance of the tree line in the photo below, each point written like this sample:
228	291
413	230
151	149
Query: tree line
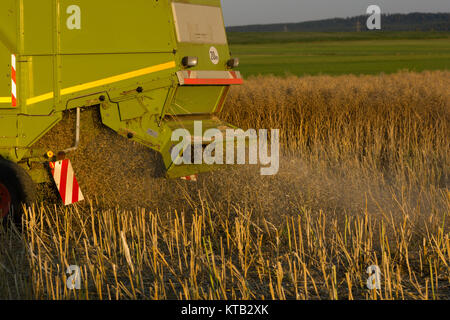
390	22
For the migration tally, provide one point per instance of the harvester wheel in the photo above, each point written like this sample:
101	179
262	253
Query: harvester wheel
16	189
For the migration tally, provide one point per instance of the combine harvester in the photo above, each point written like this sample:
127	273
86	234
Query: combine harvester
149	66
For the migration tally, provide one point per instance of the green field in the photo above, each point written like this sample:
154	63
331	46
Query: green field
340	53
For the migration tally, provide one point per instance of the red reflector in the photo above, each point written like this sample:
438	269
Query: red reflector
220	78
190	178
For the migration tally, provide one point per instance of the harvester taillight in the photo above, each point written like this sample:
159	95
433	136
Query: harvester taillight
233	63
190	62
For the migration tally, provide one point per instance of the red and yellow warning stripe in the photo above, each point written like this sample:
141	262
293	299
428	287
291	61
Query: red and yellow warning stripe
66	182
13	99
13	81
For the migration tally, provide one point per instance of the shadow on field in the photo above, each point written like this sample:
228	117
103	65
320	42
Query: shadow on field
15	280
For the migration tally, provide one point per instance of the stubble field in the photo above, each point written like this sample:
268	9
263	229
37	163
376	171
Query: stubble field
364	181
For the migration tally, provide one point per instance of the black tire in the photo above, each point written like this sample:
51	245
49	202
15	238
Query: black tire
21	188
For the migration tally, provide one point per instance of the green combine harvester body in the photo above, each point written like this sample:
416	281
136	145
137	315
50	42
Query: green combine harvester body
152	66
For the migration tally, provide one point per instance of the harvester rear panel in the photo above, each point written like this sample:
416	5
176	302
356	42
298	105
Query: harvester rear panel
132	58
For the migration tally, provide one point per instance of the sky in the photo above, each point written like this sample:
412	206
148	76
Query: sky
244	12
